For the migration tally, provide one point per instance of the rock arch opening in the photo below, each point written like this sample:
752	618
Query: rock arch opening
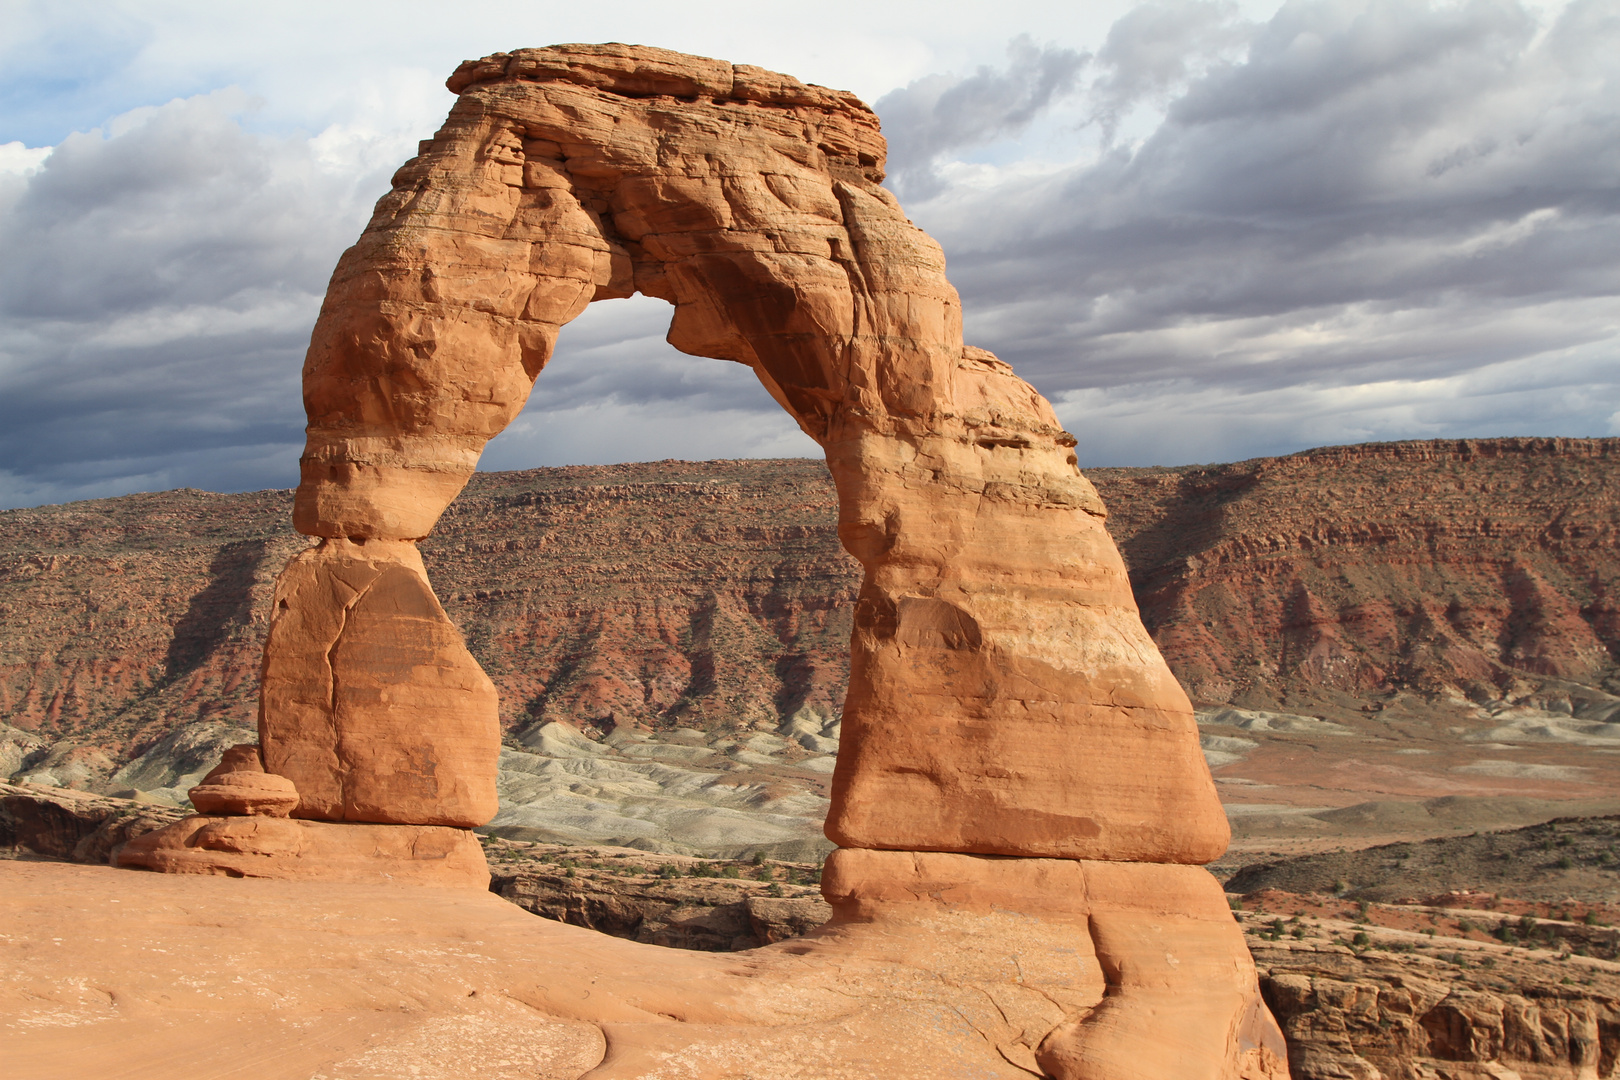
616	391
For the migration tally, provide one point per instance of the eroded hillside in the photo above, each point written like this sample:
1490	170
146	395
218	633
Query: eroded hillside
1398	621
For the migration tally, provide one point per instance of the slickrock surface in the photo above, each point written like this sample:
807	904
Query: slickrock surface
1436	989
481	989
151	974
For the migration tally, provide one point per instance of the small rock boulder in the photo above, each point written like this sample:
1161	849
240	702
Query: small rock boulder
240	787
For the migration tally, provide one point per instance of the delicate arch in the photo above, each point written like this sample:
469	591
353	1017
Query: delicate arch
1004	697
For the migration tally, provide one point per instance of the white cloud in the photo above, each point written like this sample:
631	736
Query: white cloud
162	276
19	160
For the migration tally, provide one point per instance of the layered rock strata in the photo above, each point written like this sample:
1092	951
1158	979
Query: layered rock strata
1004	697
1482	569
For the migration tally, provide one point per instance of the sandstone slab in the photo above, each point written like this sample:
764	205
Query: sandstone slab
261	846
371	704
937	966
239	785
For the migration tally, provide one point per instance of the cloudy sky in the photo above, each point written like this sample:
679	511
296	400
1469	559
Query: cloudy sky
1207	230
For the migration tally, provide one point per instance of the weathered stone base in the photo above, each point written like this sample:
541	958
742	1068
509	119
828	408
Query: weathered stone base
933	967
269	847
1144	960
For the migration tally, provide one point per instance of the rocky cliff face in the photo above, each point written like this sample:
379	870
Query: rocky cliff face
658	596
1479	569
1365	1015
1406	578
123	619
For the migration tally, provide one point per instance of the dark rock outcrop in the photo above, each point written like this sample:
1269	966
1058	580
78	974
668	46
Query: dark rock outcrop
75	826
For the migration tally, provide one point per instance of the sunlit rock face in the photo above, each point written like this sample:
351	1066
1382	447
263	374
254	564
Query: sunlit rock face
1004	698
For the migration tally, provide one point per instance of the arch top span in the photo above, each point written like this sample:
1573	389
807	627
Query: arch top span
1004	696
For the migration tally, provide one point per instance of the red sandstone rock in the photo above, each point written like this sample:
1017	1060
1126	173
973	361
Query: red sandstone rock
246	793
372	705
239	785
1003	695
934	965
1163	987
271	847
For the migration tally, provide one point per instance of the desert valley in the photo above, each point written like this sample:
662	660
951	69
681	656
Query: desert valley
1406	650
1384	642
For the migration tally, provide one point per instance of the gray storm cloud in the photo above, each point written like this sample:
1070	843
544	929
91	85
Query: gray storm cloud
1370	196
1209	240
157	294
940	113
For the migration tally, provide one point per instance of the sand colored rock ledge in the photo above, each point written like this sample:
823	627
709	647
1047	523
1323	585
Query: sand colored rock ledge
1004	697
1150	971
940	966
247	794
279	848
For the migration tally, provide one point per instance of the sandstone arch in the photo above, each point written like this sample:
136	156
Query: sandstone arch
1004	699
1004	696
